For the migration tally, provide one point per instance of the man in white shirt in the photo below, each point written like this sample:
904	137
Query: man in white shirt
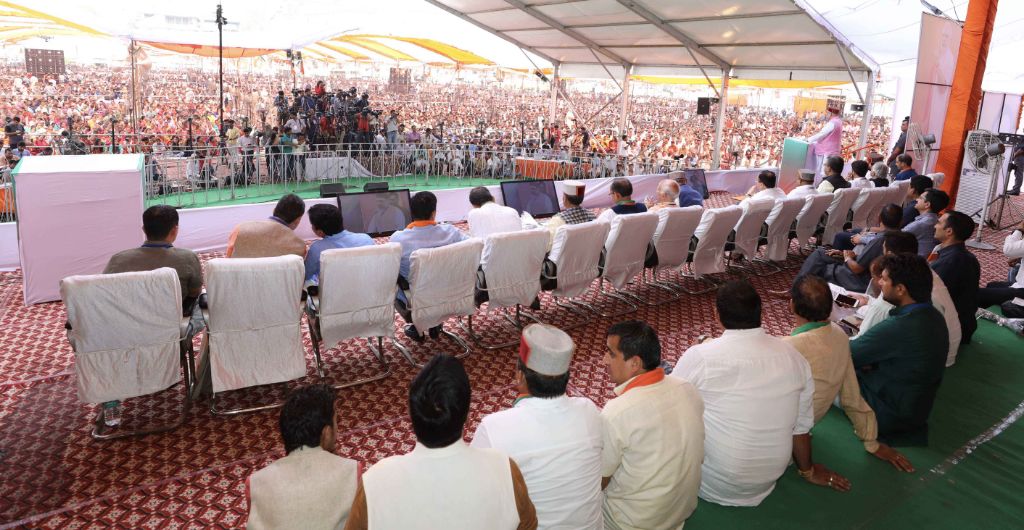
555	440
860	170
758	396
764	188
653	436
666	195
805	188
442	482
310	487
488	217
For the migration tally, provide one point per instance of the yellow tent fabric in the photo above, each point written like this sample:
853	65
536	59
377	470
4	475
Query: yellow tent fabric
344	51
457	55
376	47
25	12
753	83
209	51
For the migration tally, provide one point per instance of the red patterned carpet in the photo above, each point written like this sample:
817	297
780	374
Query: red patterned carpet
56	476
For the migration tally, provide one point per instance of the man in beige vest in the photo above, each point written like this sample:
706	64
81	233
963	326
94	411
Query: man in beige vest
442	483
827	349
310	487
270	237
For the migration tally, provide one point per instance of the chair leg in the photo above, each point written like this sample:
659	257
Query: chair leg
478	340
616	295
674	290
378	353
571	306
407	353
700	278
100	432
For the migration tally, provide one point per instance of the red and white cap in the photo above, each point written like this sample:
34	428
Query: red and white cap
574	188
546	349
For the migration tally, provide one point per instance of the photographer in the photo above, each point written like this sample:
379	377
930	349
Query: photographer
281	104
246	143
294	125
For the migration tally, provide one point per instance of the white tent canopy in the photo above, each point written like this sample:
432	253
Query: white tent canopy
757	39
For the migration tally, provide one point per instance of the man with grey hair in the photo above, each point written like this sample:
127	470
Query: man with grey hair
668	192
879	175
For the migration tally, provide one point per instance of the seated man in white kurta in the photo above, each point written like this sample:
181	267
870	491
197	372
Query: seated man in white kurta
758	396
309	487
442	483
553	438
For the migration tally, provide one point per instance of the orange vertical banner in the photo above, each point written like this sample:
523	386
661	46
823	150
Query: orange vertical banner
965	96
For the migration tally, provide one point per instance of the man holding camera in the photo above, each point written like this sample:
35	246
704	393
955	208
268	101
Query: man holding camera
392	129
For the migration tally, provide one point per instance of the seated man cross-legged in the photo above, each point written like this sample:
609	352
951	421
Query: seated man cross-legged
758	405
852	271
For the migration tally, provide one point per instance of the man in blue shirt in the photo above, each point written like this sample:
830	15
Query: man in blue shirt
687	195
327	223
932	202
903	163
422	232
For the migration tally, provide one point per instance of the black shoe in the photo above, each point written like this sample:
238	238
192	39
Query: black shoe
535	304
1013	192
435	332
413	333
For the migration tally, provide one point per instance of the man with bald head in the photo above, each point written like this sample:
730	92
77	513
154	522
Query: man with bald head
668	192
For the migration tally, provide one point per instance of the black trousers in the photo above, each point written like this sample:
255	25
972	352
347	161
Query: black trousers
995	293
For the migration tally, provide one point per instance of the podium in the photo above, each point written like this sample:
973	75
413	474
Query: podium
796	155
74	212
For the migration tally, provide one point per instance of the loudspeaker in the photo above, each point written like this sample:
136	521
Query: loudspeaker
375	186
331	190
703	106
44	61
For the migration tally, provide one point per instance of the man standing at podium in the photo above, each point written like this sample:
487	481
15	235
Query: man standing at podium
828	141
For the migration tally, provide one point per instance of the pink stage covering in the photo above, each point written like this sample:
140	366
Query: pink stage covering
74	212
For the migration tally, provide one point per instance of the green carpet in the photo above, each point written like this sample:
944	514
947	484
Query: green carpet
227	196
979	491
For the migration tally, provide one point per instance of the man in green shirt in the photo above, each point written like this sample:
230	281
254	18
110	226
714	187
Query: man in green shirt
900	361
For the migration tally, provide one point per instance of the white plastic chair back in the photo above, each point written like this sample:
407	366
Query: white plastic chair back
576	252
904	187
784	215
748	228
881	200
254	321
625	248
707	256
842	200
672	237
125	330
865	205
442	281
513	267
357	292
937	179
809	217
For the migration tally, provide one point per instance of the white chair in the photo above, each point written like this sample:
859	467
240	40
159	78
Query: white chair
356	299
625	252
709	249
129	339
511	269
671	240
442	281
866	205
253	325
783	219
937	179
904	187
837	213
809	218
576	255
747	233
884	198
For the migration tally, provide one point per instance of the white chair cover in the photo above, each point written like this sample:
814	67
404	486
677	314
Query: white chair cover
783	216
838	212
809	217
125	330
442	281
576	251
672	237
513	268
625	248
937	179
357	292
904	187
711	236
866	205
748	228
254	321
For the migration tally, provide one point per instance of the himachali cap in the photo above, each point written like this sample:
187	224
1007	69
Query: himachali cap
574	188
546	349
806	175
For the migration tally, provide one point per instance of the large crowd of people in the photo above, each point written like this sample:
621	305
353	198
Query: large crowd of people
723	424
89	108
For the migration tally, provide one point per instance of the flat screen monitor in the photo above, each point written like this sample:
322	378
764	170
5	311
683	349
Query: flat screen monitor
695	178
377	213
534	196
